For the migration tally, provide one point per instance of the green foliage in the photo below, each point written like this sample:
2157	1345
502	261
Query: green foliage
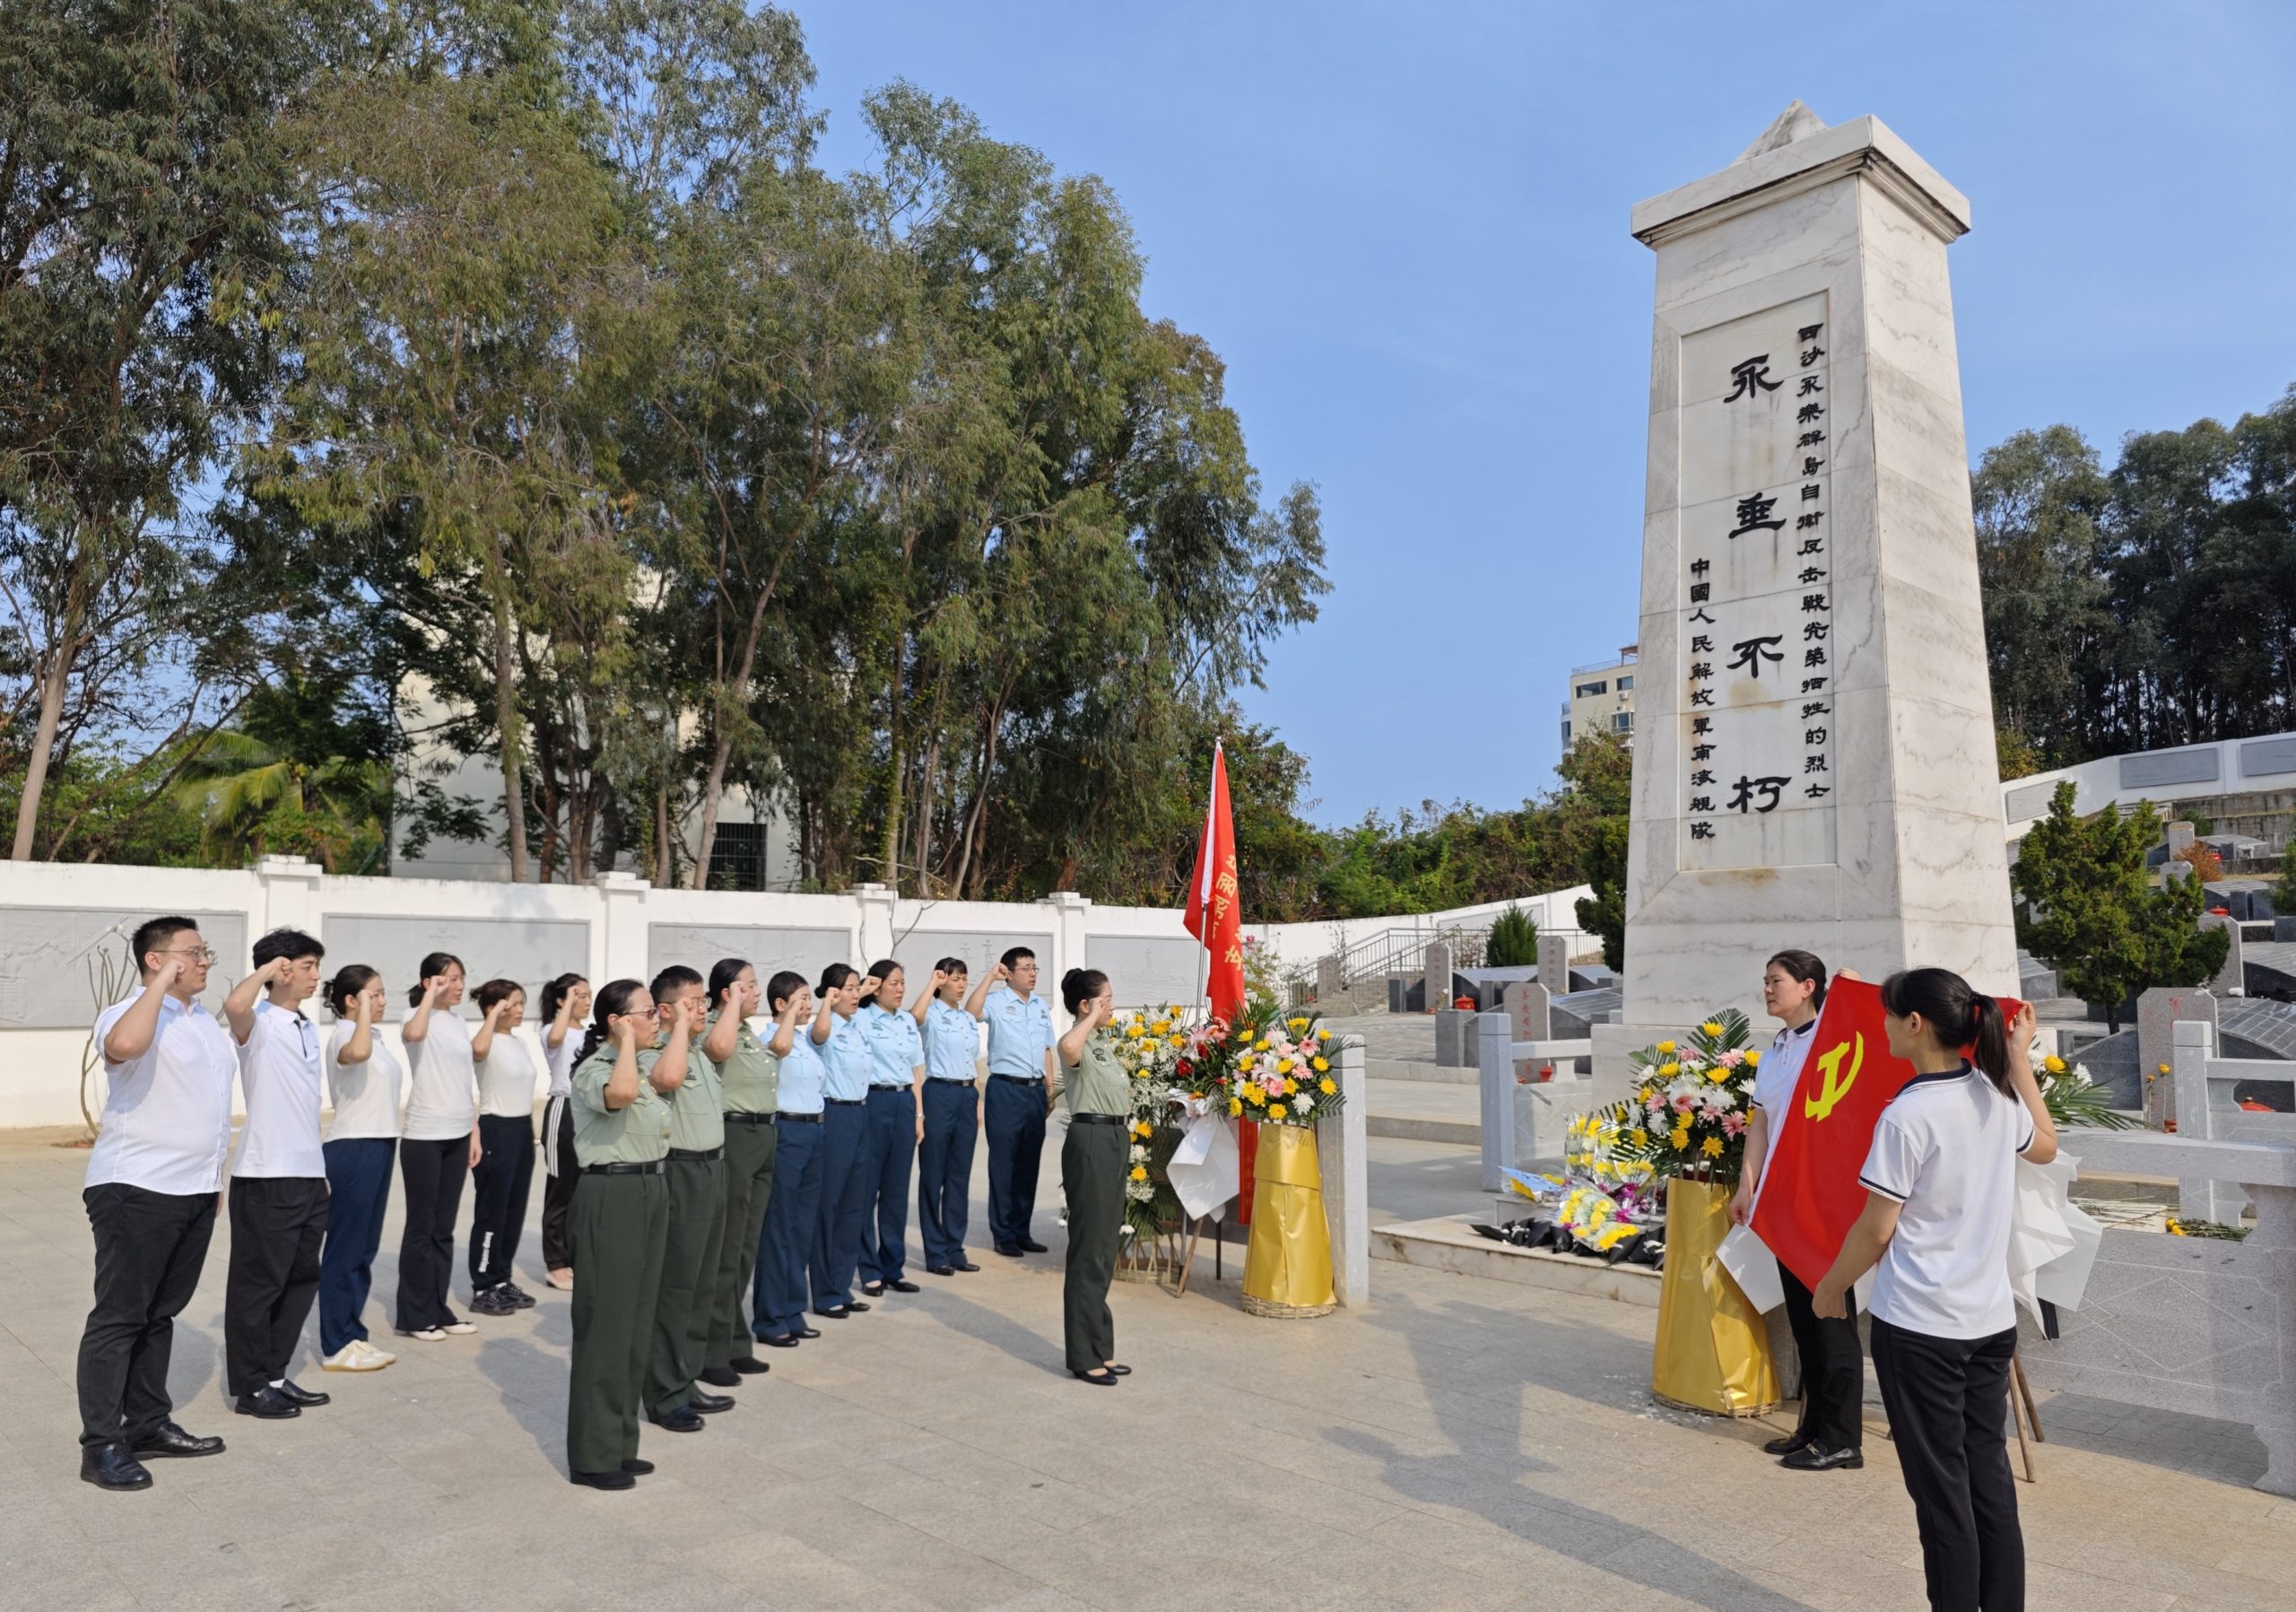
2088	912
1514	940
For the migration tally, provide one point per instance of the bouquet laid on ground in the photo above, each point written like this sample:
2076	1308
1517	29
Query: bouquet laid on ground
1606	1203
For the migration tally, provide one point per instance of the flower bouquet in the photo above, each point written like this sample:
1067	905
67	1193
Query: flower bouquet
1606	1204
1149	1045
1687	1115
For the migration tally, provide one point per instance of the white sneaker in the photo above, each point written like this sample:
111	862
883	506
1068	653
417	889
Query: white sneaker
350	1357
424	1334
458	1328
376	1359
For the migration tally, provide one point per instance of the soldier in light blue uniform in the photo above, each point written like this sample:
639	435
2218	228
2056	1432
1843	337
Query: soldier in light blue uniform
1019	1096
793	1213
845	1190
895	1113
951	1119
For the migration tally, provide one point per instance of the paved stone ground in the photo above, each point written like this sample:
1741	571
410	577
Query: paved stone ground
1460	1444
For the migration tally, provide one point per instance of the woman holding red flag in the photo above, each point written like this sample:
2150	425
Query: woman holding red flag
1941	1184
1832	1433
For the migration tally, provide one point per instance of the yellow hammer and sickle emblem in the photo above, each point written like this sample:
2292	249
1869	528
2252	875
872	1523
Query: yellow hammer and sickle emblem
1838	1084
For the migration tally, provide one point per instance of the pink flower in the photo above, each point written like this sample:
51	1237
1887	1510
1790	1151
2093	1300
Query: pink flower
1733	1123
1684	1103
1731	1060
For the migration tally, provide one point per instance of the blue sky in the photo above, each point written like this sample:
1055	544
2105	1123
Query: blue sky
1405	227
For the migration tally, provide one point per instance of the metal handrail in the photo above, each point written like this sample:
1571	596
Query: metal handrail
1398	949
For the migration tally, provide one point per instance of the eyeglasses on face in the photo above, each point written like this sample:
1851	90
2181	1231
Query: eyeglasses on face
196	953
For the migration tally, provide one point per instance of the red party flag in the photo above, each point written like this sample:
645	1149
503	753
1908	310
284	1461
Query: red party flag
1213	916
1810	1195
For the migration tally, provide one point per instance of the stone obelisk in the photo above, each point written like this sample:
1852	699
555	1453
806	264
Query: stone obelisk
1813	746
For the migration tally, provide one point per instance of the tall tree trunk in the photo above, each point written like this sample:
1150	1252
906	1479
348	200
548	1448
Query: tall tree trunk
506	722
713	787
889	841
921	831
55	674
664	867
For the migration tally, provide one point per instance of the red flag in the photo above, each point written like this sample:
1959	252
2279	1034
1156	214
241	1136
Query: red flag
1212	917
1809	1197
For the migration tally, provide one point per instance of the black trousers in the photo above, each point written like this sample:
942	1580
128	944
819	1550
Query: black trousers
278	1226
1948	1399
430	1178
1833	1369
1091	1174
1016	1114
557	1186
499	1185
150	1247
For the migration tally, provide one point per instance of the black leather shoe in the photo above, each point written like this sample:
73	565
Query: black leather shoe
720	1376
683	1419
898	1285
789	1341
838	1314
111	1466
301	1396
1029	1245
603	1481
268	1403
172	1441
875	1290
750	1365
636	1467
940	1270
1787	1445
855	1307
1820	1458
804	1332
965	1265
1097	1379
1119	1370
1010	1250
708	1405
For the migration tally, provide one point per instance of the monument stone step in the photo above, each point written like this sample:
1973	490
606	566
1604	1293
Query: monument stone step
1412	1068
1446	1244
1423	1110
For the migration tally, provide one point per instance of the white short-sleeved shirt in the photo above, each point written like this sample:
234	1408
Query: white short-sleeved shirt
505	1078
558	1060
365	1094
1946	1148
166	1124
1780	1071
442	1082
280	1068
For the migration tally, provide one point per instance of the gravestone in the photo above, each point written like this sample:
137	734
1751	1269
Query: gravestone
1326	980
1814	759
1454	1027
1529	1018
1437	975
2283	928
2175	872
2232	980
2180	838
2158	1011
1554	964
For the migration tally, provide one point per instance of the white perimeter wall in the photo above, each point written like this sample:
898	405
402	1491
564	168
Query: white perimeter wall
58	919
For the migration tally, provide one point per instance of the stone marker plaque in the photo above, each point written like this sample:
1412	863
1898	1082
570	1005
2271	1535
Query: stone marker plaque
2158	1011
917	951
1146	969
51	959
531	951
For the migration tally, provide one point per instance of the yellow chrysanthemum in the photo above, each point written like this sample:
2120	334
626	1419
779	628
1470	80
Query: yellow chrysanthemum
1321	1063
1283	1066
1711	1147
1235	1107
1179	1041
1327	1087
1753	1057
1641	1137
1296	1025
1140	1173
2053	1064
1712	1027
1260	1045
1135	1031
1646	1094
1245	1063
1670	1070
1275	1110
1322	1034
1290	1088
1160	1027
1255	1096
1681	1137
1717	1074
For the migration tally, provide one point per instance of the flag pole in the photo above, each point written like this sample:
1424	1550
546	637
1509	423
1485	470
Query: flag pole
1202	964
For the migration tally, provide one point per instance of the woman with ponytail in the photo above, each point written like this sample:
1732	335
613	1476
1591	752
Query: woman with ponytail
565	1005
1091	1174
620	1223
440	1146
1941	1188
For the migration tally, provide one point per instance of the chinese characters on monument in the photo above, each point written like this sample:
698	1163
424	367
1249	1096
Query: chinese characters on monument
1757	771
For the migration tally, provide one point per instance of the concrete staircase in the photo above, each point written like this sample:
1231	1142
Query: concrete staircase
1411	1095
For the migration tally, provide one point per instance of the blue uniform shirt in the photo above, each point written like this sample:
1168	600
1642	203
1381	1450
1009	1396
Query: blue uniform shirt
802	1075
951	1042
895	1049
1020	1034
845	1058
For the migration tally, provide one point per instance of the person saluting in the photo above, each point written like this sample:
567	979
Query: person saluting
1091	1174
617	1226
748	1080
1018	1097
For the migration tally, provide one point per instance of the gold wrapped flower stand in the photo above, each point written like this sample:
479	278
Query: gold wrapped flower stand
1287	1264
1713	1348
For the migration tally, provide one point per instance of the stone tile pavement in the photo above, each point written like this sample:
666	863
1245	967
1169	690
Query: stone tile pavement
1461	1444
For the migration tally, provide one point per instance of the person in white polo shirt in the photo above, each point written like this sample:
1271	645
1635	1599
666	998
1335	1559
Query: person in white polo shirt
365	1078
1941	1183
279	1180
437	1148
152	1177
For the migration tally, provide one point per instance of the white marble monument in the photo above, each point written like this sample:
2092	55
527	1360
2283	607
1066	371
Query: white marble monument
1814	744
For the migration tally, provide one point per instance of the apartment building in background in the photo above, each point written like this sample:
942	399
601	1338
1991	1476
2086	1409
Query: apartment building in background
1602	698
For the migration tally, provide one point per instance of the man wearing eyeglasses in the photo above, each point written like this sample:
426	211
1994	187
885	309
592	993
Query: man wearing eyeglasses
153	1179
